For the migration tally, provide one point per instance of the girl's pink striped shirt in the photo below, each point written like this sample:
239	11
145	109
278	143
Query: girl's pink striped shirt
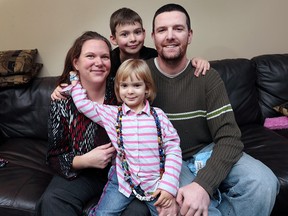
140	143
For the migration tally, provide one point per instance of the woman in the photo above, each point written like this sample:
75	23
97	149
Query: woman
149	158
80	150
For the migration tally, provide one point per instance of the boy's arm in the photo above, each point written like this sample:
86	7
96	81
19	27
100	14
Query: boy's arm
201	65
57	93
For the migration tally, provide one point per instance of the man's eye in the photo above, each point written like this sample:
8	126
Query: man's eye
179	29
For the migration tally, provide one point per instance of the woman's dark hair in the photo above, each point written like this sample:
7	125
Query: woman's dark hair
75	51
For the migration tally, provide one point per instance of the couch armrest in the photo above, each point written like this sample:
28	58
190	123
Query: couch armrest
272	73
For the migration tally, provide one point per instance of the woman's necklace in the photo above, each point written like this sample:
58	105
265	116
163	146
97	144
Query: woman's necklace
136	189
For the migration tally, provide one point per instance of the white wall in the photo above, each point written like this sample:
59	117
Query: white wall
222	28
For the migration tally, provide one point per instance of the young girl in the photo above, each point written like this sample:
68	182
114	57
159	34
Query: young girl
148	161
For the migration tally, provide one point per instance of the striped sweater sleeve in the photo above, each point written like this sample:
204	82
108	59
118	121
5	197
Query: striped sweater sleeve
84	105
226	136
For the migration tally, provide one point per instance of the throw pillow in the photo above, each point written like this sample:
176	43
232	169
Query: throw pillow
276	123
17	61
19	79
283	109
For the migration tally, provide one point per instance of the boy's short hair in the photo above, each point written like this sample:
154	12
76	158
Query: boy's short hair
124	16
141	70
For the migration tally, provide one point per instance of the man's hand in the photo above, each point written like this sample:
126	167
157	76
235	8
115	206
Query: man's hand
193	200
201	66
57	93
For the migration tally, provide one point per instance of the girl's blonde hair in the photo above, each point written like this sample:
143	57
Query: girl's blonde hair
141	70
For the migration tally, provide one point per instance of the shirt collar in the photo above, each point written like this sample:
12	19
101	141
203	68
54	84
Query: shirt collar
146	109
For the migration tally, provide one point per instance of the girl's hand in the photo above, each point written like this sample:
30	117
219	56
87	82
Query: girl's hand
164	198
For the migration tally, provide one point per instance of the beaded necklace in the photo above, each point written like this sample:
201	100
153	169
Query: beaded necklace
136	189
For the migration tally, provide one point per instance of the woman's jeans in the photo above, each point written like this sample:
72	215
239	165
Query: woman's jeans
113	202
250	189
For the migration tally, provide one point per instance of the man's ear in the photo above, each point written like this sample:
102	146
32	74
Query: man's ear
113	40
190	36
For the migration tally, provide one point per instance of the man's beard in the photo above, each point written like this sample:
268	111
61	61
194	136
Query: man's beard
172	59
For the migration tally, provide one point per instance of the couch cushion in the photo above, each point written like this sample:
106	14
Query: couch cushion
272	149
239	78
25	177
273	88
24	110
25	152
21	188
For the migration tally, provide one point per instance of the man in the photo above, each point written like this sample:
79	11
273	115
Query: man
200	110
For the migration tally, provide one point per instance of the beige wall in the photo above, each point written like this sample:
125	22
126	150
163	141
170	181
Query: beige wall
222	28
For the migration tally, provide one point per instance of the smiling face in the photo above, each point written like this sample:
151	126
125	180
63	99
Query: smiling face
171	35
94	62
129	38
132	92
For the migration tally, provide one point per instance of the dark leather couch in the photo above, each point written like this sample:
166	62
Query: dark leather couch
254	87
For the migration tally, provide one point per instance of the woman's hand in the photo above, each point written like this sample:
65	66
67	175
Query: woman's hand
98	157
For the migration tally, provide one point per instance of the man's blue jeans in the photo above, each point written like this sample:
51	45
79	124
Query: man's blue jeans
250	189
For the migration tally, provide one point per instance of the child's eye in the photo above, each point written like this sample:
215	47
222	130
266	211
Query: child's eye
138	85
139	32
123	85
124	34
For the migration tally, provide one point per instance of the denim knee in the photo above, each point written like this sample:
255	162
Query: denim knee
254	180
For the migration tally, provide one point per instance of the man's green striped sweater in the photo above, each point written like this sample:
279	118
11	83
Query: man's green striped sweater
200	110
